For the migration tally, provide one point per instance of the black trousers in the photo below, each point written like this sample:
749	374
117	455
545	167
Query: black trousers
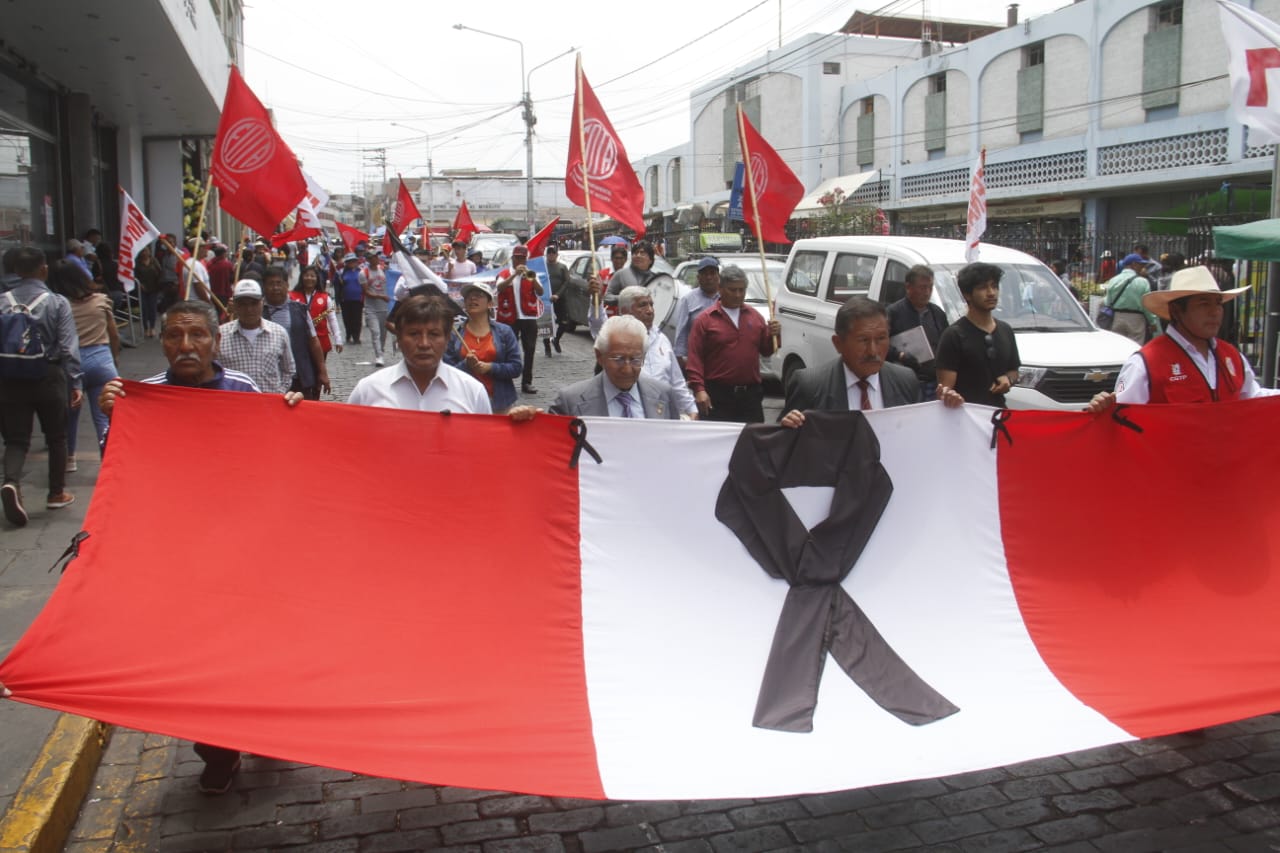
23	400
353	318
743	404
527	332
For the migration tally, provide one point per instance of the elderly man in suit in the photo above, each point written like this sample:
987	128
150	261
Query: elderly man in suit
619	390
860	378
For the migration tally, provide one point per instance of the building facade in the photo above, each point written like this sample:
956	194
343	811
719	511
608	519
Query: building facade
97	95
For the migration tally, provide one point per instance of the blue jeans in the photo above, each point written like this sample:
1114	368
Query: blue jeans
99	369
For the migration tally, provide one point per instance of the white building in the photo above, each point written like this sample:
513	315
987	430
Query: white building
93	95
1103	115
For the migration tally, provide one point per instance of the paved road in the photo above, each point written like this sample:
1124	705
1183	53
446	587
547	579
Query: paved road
1219	790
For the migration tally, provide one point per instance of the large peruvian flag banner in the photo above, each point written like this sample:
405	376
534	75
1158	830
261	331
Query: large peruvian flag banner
658	628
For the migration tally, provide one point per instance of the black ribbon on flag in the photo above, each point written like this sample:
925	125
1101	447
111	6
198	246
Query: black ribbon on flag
837	449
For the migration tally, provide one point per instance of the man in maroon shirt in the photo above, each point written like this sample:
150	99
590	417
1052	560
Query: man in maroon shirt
221	271
725	345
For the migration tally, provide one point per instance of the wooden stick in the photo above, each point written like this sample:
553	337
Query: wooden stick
204	205
755	207
586	184
199	284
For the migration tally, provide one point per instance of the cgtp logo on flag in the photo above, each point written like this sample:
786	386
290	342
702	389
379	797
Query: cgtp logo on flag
248	147
602	158
759	173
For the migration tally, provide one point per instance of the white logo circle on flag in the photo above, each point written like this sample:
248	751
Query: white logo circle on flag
759	173
602	150
248	146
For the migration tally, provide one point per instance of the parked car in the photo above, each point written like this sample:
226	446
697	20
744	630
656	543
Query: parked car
1066	359
665	294
775	265
489	245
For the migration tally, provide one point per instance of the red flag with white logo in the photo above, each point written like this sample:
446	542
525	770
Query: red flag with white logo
538	242
136	232
1253	63
773	189
463	225
977	218
300	230
252	165
599	175
405	212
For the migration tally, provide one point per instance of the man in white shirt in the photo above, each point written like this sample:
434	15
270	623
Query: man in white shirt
421	381
660	358
459	266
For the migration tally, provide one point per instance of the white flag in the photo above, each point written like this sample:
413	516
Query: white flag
1253	63
136	232
310	206
977	218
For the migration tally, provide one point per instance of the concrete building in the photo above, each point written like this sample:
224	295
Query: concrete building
93	95
1099	117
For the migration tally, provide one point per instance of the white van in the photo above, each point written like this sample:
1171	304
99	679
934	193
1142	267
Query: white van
1066	359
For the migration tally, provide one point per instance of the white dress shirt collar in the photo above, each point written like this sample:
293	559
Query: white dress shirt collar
855	393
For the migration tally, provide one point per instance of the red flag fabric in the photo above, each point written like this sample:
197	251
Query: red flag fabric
463	225
598	175
538	242
462	666
300	230
351	236
976	215
405	212
254	168
774	190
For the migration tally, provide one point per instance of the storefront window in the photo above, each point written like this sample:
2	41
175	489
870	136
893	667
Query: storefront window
29	195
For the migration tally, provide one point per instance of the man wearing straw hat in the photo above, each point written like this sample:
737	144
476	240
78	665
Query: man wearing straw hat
1187	364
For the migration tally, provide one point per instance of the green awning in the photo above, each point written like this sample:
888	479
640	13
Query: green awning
1253	241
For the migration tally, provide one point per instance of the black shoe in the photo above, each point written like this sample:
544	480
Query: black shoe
528	389
217	778
546	346
13	509
556	343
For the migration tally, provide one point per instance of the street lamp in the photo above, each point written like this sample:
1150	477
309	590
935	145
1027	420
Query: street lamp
431	184
527	114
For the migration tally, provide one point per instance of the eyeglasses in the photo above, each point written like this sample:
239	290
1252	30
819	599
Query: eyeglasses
632	361
991	346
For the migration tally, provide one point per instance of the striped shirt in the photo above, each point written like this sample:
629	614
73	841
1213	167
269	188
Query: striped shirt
223	380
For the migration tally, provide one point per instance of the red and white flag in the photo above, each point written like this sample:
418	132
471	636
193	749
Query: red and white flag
463	225
405	212
317	197
598	175
300	230
772	190
976	220
254	168
537	244
977	616
1253	63
351	236
136	233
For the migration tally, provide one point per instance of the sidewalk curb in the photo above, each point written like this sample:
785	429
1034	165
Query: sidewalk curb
44	810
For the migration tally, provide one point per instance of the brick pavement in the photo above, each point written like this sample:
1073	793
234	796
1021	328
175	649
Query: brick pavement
1219	790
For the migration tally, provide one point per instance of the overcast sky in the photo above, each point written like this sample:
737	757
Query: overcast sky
338	73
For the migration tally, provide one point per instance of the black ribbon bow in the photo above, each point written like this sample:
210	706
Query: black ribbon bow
837	449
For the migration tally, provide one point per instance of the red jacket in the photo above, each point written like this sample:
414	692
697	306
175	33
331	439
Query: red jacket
1174	378
507	301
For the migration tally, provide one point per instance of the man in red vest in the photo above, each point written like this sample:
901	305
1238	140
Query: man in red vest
518	304
1187	364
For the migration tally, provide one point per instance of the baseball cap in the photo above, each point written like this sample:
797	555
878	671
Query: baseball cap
247	287
477	285
1133	258
520	250
350	256
708	264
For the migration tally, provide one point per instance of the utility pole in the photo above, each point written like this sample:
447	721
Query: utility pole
379	158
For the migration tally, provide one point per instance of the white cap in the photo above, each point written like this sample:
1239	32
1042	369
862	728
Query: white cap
247	287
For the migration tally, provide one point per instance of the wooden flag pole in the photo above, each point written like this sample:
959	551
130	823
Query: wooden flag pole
755	208
204	205
586	181
212	295
244	235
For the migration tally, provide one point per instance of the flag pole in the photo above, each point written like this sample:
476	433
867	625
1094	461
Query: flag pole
244	235
755	208
204	205
586	181
212	295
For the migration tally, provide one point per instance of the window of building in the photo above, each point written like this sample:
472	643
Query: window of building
675	180
935	116
1033	54
831	68
1167	15
652	184
938	84
1031	92
868	106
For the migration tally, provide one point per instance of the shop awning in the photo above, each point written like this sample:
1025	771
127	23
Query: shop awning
810	206
1253	241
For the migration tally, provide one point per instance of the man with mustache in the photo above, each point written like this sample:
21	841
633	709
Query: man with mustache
859	378
189	335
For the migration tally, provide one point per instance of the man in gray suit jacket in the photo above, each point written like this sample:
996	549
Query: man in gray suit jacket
619	390
859	378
